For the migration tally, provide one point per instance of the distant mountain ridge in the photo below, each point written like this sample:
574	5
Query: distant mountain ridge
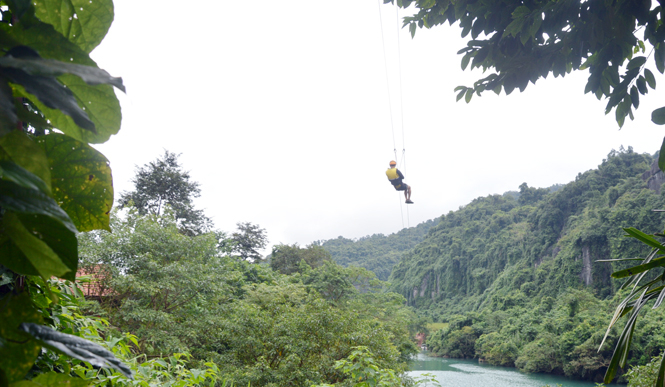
378	252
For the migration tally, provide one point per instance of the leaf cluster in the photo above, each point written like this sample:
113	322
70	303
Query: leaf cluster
54	101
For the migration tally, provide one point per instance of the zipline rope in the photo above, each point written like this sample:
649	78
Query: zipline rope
401	100
385	64
390	107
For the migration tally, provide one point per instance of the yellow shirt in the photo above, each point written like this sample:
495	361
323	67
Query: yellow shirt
392	173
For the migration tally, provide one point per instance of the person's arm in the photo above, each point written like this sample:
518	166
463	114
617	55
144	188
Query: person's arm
399	173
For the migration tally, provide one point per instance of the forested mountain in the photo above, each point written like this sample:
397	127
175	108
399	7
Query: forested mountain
540	242
516	277
378	252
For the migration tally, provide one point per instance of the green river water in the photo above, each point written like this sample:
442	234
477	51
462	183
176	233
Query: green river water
468	373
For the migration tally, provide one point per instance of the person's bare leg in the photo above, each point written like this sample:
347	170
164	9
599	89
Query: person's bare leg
408	189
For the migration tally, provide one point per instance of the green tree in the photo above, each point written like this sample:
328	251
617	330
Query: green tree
531	195
286	259
283	334
179	293
248	240
160	285
163	182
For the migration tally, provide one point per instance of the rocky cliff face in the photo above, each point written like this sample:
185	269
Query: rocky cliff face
654	177
586	274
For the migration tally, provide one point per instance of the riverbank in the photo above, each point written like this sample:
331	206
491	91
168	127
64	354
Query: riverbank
471	373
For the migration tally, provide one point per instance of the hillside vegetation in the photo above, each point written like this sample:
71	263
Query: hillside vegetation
378	252
538	244
516	278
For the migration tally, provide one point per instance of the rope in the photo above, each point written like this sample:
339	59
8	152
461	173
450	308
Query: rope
390	106
399	71
401	101
385	64
399	197
408	220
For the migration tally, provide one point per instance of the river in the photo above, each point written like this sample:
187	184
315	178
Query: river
469	373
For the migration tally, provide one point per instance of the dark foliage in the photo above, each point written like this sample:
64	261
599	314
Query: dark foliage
248	240
163	182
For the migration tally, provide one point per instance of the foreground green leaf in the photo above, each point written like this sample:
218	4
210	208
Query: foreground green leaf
83	22
49	93
11	172
99	102
645	238
75	347
53	68
18	352
639	269
61	240
8	114
18	199
21	149
19	7
82	181
37	256
52	379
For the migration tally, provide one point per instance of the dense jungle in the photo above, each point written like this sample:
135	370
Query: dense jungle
142	288
522	280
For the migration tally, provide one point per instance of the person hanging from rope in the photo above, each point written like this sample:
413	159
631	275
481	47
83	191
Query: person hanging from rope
395	177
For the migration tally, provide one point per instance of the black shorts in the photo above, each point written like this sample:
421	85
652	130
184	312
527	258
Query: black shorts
401	187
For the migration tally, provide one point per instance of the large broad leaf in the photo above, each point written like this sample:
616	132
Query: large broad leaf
83	22
19	7
99	102
52	379
46	92
75	347
13	258
23	66
18	353
8	116
11	172
82	181
53	68
36	256
21	200
30	116
25	152
58	238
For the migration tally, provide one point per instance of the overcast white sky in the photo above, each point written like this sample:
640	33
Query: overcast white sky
281	113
